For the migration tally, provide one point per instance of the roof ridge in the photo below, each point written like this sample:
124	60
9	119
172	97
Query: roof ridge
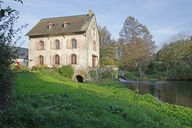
64	16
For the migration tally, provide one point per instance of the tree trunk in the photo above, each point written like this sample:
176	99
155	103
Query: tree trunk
6	85
140	69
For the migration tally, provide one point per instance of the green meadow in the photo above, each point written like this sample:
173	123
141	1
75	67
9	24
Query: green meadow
45	99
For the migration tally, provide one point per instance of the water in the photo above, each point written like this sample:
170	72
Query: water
173	92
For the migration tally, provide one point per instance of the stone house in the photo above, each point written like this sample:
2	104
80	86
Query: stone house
69	40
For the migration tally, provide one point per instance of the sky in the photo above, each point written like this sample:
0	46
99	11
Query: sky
163	18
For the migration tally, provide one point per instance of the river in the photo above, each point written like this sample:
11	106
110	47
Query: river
173	92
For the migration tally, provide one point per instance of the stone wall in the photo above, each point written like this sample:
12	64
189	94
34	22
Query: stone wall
84	50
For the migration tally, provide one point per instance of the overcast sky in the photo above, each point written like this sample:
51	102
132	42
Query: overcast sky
163	18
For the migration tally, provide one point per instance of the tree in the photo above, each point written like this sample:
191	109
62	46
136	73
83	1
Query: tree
176	55
107	47
8	16
138	47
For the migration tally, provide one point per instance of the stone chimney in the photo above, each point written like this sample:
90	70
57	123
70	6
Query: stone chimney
90	13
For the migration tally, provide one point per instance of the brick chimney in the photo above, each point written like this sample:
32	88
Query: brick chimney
90	13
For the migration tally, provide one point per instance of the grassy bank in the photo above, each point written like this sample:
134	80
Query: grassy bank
47	100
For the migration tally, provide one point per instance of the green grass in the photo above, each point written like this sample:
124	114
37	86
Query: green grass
48	100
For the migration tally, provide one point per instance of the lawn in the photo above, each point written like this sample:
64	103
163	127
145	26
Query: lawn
47	100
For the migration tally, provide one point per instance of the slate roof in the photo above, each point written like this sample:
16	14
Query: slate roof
77	23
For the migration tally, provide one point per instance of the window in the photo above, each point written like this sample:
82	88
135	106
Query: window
73	59
94	45
57	45
41	45
74	43
40	60
94	61
57	60
50	25
66	24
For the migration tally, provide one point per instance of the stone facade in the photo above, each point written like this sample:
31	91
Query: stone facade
80	49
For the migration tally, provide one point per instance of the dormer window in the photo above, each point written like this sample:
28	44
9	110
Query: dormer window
66	24
50	25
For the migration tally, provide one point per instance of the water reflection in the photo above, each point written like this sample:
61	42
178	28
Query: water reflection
179	92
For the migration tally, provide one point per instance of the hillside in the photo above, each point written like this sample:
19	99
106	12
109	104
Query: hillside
47	100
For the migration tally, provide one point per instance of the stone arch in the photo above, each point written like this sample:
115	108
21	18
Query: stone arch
79	78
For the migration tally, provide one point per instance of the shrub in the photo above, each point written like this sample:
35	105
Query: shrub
131	75
40	67
106	73
66	71
93	74
19	68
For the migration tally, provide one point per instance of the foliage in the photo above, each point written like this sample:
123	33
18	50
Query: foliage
131	75
93	74
66	71
8	17
107	47
46	99
104	36
137	45
40	67
176	59
19	67
104	73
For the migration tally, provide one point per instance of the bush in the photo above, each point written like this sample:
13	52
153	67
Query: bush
106	73
40	67
131	75
93	74
19	68
66	71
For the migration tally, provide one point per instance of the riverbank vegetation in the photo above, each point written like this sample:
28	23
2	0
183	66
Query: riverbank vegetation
135	54
172	62
47	99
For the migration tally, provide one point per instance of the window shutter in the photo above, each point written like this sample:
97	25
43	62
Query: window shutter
44	46
53	45
78	43
37	60
44	60
68	59
53	59
78	59
61	44
62	59
69	44
50	60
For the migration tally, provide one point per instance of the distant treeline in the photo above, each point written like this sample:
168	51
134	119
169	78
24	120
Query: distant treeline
134	52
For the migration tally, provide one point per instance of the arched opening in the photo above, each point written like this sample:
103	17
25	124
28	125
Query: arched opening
79	78
41	45
73	59
57	60
74	43
40	60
